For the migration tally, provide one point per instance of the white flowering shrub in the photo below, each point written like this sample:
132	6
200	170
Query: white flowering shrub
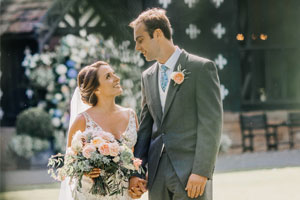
26	146
225	143
52	75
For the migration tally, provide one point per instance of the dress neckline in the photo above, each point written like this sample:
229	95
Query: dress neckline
121	135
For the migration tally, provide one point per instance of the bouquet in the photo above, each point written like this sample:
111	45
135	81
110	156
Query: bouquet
96	150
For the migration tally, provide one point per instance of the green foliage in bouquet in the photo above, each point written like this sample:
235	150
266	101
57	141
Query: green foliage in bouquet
96	150
35	122
52	74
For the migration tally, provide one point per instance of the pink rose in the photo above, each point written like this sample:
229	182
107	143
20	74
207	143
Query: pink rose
97	134
107	136
178	77
114	149
97	141
88	150
137	163
104	149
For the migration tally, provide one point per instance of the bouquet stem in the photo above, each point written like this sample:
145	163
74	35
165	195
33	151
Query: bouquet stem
99	187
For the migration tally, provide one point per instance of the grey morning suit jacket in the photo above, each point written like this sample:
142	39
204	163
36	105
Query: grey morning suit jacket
190	126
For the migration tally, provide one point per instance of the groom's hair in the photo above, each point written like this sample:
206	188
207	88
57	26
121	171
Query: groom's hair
88	82
154	18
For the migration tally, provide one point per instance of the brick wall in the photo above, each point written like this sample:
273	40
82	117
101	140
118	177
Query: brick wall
232	128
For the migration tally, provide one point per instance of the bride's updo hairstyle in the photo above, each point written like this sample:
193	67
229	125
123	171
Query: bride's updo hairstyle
88	82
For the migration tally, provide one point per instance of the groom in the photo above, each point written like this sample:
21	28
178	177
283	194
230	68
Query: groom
181	118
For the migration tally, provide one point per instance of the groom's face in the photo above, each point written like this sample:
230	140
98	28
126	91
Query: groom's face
148	46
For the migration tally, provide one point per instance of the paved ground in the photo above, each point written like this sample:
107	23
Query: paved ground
265	184
258	160
226	163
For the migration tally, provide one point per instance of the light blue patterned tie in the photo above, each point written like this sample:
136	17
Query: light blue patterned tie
163	77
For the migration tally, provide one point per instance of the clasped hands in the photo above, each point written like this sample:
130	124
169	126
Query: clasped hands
195	186
137	187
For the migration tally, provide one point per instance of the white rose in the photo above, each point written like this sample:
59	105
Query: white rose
79	135
70	152
76	145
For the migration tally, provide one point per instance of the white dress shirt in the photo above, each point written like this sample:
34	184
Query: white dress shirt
170	64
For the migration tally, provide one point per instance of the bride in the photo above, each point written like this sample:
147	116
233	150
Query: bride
93	107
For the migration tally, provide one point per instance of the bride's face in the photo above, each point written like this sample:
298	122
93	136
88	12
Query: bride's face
109	82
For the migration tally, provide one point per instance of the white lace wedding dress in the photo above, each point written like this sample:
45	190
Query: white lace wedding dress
129	138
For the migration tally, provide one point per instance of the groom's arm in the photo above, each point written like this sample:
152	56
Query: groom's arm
145	129
210	114
137	186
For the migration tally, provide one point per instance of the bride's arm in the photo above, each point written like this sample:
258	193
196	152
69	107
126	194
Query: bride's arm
79	124
136	125
136	122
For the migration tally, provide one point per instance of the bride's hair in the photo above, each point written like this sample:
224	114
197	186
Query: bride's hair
88	82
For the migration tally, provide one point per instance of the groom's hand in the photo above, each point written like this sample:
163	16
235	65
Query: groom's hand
137	187
196	185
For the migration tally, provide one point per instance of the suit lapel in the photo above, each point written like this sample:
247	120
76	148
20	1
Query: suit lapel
153	81
174	88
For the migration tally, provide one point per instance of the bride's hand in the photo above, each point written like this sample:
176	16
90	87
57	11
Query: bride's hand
94	173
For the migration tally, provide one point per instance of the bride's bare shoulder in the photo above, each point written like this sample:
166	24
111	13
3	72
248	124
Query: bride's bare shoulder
79	123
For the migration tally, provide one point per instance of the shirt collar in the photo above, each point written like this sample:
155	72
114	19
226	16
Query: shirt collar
172	60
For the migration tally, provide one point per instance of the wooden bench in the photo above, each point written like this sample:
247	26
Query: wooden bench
293	124
250	124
